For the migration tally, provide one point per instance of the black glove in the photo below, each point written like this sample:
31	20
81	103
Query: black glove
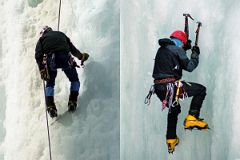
44	74
188	45
84	58
195	52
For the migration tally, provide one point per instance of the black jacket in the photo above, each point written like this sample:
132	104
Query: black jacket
170	60
54	42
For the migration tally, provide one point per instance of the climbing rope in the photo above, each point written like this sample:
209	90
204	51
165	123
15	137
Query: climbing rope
48	130
59	13
49	140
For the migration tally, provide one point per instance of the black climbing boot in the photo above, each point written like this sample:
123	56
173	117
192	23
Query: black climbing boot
72	103
51	107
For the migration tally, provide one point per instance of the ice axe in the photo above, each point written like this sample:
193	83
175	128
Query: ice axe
197	32
186	29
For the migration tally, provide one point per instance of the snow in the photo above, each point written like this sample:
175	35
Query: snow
92	132
143	128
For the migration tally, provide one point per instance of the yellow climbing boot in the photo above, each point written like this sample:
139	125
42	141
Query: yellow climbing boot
193	122
171	143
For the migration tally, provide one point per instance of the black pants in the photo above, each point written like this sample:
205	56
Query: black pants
197	91
61	60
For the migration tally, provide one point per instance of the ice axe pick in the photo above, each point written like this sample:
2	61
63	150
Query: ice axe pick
186	29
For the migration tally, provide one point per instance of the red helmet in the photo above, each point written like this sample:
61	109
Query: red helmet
179	35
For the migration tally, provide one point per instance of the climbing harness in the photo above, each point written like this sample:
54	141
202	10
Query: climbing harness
51	60
152	90
166	80
174	88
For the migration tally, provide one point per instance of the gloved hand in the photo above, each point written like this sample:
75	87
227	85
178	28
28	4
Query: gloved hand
84	58
44	74
188	45
195	52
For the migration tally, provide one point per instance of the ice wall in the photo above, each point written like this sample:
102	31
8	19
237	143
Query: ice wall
143	128
92	132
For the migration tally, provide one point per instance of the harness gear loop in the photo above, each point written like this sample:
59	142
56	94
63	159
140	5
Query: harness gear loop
147	100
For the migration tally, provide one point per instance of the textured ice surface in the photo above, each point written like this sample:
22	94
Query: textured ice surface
143	127
92	132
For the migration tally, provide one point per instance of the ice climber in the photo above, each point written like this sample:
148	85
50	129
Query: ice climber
170	60
53	51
